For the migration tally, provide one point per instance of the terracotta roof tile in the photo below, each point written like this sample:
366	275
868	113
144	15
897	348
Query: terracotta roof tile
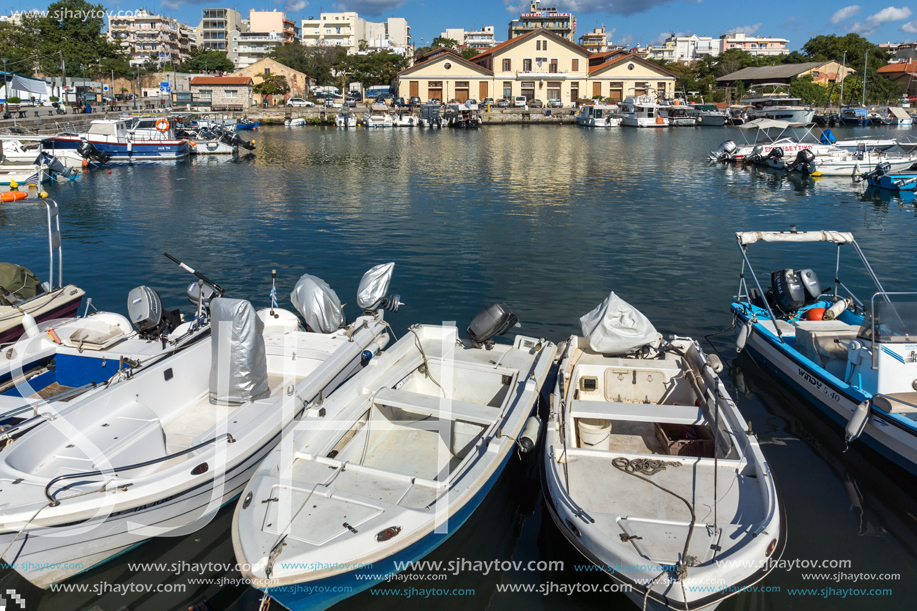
221	80
903	67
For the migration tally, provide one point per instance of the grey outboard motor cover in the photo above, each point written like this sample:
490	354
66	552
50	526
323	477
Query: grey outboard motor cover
318	304
144	308
492	320
373	286
238	370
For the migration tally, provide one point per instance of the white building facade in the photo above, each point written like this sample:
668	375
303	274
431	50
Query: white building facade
348	29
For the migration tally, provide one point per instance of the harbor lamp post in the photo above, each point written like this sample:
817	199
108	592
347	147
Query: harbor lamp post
137	88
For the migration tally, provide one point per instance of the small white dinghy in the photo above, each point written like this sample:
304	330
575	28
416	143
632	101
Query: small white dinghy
393	465
633	477
159	454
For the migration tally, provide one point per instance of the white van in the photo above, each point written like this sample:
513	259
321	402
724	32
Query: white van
520	101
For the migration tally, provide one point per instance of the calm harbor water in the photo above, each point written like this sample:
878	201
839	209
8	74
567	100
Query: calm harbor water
546	219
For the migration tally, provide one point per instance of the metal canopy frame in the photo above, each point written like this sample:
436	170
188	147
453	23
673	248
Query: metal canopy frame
822	236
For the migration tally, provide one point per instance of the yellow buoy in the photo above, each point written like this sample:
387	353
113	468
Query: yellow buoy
13	185
32	186
43	194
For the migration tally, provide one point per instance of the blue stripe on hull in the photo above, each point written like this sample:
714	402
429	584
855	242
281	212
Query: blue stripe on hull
119	152
294	598
874	445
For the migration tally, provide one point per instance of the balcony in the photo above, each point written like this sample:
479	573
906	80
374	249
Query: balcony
543	74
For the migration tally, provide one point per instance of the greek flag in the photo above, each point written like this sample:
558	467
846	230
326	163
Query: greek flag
273	296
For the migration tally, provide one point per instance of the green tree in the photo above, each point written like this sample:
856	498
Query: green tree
271	85
377	68
856	48
440	41
808	91
469	53
20	54
72	30
202	61
320	62
362	45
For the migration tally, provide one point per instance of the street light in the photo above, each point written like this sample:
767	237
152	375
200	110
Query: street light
137	88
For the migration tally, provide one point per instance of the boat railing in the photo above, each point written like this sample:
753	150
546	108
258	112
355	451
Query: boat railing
54	502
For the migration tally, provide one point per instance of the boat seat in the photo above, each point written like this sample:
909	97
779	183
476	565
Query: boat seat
430	406
816	340
892	404
637	412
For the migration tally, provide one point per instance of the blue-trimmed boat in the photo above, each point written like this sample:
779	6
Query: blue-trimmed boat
126	142
247	125
389	466
883	178
855	361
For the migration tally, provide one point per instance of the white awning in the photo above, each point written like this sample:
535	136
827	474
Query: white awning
771	124
750	237
899	112
28	84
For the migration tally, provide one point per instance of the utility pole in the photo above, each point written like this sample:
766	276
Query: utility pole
63	71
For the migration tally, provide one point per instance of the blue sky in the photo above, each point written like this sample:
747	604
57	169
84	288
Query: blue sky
629	22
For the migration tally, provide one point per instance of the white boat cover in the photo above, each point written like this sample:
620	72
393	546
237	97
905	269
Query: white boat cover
750	237
771	124
238	372
616	328
899	112
318	304
374	285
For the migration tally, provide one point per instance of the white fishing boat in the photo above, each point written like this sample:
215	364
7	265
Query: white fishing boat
642	111
851	359
598	115
160	453
345	119
678	116
393	464
740	114
770	134
651	472
378	118
781	106
854	164
405	119
23	298
295	122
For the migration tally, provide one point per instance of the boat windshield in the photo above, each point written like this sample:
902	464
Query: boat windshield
896	322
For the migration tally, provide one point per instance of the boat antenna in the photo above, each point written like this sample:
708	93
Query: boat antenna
199	275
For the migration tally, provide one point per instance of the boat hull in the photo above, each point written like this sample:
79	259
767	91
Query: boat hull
143	150
63	306
833	398
644	122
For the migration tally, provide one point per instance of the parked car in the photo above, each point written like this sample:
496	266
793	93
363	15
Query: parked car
414	101
355	95
520	101
350	102
299	102
330	103
555	103
536	103
503	103
398	102
383	97
471	104
488	102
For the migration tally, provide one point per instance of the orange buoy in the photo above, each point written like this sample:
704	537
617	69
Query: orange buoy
12	196
815	314
85	163
109	171
193	143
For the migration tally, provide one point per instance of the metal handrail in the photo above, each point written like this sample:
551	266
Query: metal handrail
55	503
874	329
890	398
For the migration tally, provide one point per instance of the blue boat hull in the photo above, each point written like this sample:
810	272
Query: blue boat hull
323	593
901	181
154	150
834	398
247	126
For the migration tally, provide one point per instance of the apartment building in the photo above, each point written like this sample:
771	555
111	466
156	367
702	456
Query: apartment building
348	29
266	30
215	27
595	41
471	39
756	45
144	36
562	24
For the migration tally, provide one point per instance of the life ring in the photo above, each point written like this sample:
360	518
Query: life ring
162	125
12	196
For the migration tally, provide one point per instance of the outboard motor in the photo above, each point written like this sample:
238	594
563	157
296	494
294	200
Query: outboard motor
193	293
810	285
803	162
318	304
55	166
88	150
144	309
371	293
882	168
723	152
789	293
493	320
756	155
775	155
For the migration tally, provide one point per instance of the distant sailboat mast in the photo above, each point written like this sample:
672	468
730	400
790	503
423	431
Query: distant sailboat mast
843	76
863	103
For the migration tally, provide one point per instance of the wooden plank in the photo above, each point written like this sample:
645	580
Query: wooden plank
637	412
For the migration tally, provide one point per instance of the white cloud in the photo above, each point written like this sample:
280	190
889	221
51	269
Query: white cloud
370	7
910	27
659	40
748	30
845	13
294	6
615	7
886	15
626	41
